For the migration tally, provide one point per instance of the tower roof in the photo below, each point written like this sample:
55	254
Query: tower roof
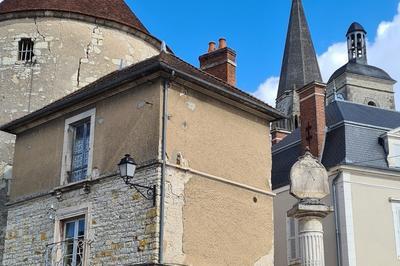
112	10
300	65
355	26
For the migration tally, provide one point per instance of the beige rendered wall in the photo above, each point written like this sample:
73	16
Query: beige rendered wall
374	232
127	122
284	202
69	54
217	138
218	200
209	222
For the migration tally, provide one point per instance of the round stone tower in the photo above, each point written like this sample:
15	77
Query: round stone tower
51	48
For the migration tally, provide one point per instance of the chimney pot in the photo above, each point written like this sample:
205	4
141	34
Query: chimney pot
222	43
211	47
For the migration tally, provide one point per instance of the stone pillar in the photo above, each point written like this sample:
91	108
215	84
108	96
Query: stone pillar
309	184
311	233
312	241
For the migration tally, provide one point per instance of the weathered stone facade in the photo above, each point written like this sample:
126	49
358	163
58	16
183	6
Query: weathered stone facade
68	55
363	90
122	226
5	176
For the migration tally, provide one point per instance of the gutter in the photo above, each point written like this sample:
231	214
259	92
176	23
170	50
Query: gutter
166	85
337	220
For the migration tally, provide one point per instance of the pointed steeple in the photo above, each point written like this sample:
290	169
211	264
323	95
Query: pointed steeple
300	65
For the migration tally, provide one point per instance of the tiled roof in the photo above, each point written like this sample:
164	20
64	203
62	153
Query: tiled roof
163	61
113	10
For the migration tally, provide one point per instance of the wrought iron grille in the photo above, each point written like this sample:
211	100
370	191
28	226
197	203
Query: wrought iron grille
70	252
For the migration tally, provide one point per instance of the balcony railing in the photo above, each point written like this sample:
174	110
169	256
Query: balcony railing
70	252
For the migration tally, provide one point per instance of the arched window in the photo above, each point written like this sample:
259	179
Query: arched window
371	103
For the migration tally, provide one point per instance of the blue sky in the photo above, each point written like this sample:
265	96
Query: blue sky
256	29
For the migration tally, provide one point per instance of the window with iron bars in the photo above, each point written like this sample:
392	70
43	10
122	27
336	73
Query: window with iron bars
25	50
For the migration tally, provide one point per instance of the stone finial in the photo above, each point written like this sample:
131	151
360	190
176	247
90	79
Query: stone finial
309	179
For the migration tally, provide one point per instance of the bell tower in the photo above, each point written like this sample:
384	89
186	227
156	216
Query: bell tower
357	81
356	43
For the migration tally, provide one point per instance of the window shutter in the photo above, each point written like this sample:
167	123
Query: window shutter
292	239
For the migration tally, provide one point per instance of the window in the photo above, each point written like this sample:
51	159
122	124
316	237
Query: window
78	147
396	219
74	242
80	150
25	50
293	245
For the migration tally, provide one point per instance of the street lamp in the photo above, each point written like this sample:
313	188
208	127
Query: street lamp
127	168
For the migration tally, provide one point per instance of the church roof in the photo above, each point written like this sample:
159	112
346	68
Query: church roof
355	26
355	67
353	138
300	65
112	10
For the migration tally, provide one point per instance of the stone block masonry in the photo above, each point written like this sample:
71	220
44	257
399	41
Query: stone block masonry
122	226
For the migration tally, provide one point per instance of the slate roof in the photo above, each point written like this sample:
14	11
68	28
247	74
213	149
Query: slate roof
355	26
358	68
113	10
163	62
353	137
300	65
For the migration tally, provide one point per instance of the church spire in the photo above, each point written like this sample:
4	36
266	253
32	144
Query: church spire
300	65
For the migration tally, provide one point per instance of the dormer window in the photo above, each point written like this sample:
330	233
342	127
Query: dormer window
25	50
392	147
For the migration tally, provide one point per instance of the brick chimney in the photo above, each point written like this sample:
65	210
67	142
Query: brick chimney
278	135
312	117
220	62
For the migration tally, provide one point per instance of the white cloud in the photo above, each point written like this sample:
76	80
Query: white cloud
383	52
268	90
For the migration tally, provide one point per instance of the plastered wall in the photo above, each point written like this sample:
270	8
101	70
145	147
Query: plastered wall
373	222
125	123
69	54
218	139
209	222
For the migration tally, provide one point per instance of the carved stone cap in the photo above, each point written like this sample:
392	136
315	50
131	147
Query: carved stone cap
301	210
309	178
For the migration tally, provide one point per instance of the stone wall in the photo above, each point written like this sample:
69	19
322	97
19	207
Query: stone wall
122	226
3	215
362	90
5	177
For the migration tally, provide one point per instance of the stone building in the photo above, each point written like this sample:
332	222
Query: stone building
202	142
351	125
357	81
49	49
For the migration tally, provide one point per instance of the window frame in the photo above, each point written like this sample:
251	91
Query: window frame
68	142
396	224
26	47
64	239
